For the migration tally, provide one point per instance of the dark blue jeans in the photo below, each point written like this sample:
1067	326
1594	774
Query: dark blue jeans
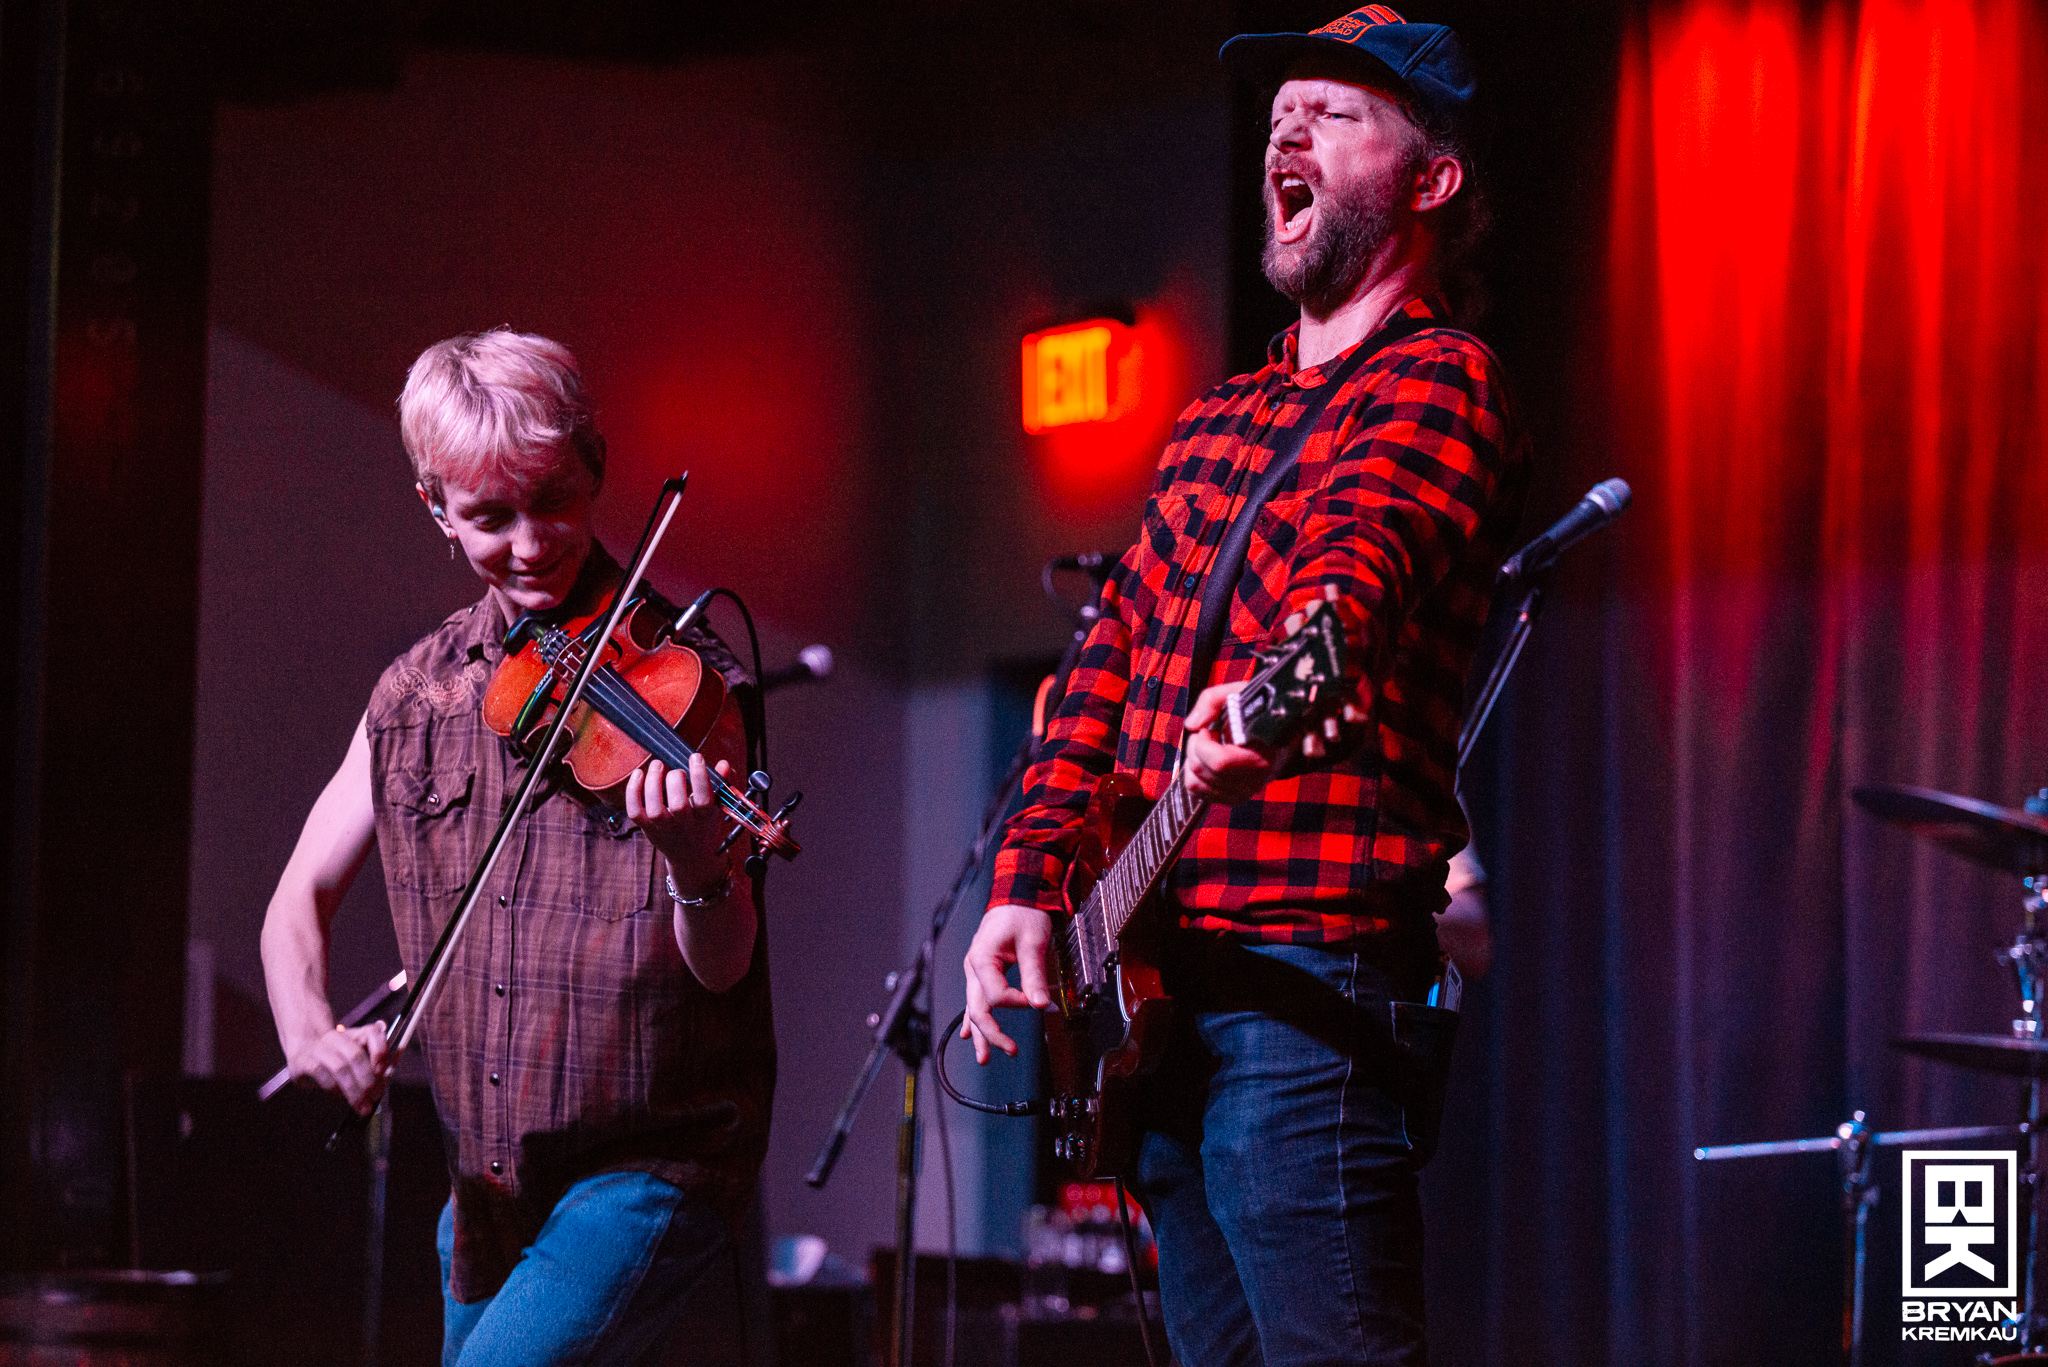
1284	1138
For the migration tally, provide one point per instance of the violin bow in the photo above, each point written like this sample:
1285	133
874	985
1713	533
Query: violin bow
435	970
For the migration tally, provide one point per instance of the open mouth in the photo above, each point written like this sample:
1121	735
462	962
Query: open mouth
1294	199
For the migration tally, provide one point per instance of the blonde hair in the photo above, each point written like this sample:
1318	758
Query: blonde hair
497	405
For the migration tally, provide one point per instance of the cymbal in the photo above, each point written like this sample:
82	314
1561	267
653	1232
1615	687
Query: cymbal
2005	838
1985	1053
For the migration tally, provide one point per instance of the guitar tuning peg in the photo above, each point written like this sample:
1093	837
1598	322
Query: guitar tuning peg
1329	593
1293	624
1352	715
1311	746
1332	731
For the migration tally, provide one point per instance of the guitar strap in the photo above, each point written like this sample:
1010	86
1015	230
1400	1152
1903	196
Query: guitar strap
1221	585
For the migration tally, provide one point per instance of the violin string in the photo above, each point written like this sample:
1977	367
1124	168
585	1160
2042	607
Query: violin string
608	685
435	970
649	729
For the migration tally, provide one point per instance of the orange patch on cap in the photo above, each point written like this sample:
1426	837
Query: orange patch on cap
1359	20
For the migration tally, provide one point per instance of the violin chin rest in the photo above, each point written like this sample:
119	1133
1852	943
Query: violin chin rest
520	632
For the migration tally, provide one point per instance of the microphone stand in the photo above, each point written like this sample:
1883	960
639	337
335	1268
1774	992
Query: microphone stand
904	1026
1504	663
1608	499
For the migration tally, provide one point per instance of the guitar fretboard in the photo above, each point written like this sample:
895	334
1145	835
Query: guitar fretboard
1091	936
1277	698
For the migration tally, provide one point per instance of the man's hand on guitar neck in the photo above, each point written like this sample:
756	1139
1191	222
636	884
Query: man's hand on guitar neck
1008	935
1214	768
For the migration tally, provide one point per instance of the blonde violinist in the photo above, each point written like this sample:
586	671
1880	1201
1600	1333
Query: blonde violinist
601	1054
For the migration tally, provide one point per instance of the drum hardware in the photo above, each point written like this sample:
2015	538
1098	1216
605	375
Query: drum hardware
2011	840
2011	1055
1855	1147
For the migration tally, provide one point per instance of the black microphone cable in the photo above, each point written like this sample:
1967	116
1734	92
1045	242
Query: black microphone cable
696	609
1003	1108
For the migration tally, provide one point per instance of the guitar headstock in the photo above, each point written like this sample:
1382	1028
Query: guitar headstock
1299	682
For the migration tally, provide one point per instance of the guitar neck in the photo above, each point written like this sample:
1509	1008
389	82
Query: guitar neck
1152	847
1294	682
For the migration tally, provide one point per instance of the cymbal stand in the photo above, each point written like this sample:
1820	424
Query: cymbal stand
1855	1148
1854	1158
2027	957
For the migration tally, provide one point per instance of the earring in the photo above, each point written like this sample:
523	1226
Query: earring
451	548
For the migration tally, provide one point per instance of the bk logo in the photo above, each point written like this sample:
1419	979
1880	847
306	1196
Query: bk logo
1960	1222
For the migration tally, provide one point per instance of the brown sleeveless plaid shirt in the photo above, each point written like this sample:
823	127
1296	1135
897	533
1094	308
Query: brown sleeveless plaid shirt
571	1038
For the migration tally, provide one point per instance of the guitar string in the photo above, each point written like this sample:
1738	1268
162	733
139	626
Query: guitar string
1161	833
1110	906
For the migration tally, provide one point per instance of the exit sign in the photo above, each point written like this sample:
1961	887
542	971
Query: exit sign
1082	372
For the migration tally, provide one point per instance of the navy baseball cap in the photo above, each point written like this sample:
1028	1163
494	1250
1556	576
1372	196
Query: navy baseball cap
1427	60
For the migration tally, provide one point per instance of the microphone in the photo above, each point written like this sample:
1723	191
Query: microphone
812	663
692	612
1603	503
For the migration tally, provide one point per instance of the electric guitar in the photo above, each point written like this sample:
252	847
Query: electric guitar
1113	1012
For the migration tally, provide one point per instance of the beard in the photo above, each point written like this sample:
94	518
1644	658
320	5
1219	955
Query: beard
1321	271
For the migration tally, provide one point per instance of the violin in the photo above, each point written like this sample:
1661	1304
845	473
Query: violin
650	695
637	693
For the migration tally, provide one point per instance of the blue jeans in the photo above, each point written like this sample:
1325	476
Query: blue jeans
1283	1140
623	1259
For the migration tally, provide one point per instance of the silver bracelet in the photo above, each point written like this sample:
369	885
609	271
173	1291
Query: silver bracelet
711	898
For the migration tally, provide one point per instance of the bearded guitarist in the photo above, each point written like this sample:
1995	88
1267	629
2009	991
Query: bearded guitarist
1281	1138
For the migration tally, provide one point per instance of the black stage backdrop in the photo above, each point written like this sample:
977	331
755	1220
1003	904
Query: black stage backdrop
1775	264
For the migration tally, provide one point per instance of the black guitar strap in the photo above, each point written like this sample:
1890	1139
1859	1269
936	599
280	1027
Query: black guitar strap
1221	585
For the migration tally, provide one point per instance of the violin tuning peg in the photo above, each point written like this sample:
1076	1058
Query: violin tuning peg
788	806
759	782
730	836
757	864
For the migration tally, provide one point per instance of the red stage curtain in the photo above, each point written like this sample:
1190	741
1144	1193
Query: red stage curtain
1825	373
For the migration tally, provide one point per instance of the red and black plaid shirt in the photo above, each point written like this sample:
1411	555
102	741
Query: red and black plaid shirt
1406	491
